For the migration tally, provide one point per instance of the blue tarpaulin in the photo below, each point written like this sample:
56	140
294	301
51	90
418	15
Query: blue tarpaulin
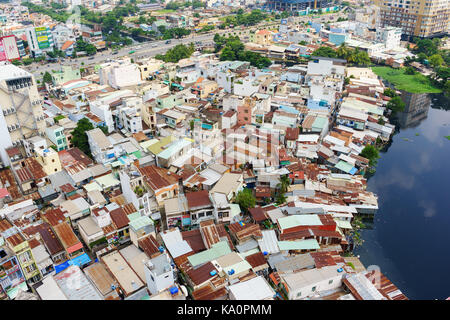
61	267
80	260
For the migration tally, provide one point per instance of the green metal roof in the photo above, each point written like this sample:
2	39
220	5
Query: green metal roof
217	250
319	123
235	210
344	166
238	267
134	216
107	181
343	224
299	220
137	154
308	244
12	293
141	222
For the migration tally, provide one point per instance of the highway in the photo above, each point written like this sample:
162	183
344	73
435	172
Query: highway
144	49
152	48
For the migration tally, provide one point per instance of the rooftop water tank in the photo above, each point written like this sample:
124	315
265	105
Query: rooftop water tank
173	290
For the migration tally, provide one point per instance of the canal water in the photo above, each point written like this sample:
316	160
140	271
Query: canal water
410	236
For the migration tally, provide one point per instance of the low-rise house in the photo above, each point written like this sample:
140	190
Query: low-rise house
102	280
242	232
51	243
230	184
69	240
90	232
75	285
159	273
161	183
309	283
129	282
256	288
140	227
42	258
101	148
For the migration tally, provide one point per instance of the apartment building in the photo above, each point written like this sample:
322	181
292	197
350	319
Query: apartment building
423	18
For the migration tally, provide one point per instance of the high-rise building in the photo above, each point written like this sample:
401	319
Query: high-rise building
297	5
420	18
21	115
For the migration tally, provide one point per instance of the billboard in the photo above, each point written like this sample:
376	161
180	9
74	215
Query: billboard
10	47
42	37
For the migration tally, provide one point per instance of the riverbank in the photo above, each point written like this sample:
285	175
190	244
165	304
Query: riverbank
410	230
417	83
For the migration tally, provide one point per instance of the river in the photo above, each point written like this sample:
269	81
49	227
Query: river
410	236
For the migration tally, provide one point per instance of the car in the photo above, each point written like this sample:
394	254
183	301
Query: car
154	45
115	52
91	58
168	41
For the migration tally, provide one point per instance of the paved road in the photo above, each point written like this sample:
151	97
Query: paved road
151	49
145	49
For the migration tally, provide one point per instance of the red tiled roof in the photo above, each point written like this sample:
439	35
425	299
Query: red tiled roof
157	177
119	217
258	214
149	245
13	151
292	133
256	260
202	274
194	239
51	242
66	45
54	216
198	199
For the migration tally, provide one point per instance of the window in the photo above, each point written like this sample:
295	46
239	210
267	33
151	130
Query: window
313	289
330	282
299	294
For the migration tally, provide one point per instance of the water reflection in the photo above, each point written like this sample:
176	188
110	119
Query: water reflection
416	109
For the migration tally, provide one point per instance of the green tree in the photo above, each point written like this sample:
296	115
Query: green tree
284	184
389	92
371	153
396	104
436	60
421	57
245	199
79	136
324	52
47	77
180	51
227	54
410	71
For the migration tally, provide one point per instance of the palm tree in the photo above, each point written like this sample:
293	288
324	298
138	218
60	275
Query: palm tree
284	184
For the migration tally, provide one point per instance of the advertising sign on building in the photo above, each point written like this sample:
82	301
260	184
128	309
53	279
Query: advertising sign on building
42	37
10	47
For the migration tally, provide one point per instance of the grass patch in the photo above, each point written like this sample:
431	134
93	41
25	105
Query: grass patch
163	11
417	83
448	137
